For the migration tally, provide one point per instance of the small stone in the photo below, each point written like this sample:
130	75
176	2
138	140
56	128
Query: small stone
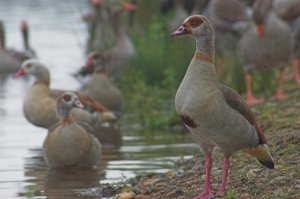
297	186
252	173
125	195
149	181
171	194
160	184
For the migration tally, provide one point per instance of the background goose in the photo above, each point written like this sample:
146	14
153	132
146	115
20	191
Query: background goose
39	102
259	47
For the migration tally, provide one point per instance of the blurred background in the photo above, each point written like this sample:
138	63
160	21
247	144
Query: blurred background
149	137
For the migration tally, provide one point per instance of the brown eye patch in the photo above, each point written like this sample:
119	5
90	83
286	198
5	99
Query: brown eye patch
29	66
195	21
67	97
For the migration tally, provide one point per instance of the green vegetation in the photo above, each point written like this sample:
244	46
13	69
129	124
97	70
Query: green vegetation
150	83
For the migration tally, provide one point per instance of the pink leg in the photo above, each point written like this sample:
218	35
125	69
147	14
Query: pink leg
208	192
280	95
226	166
296	76
250	99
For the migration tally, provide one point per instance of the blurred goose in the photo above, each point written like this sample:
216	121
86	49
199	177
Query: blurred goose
259	47
180	14
8	63
289	10
99	87
69	143
27	52
214	113
39	102
123	51
228	18
98	22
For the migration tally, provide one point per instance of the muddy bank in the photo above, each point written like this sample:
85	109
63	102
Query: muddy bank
248	178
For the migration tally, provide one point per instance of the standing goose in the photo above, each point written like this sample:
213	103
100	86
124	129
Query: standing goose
68	143
289	10
8	63
214	113
39	102
99	87
266	44
123	51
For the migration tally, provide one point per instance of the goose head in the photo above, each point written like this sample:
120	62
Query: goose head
66	102
261	10
195	25
96	60
32	67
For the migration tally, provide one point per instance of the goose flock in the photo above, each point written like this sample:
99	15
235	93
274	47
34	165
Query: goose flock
263	35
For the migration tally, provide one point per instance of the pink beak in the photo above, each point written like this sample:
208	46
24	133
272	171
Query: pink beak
89	63
78	104
180	31
19	73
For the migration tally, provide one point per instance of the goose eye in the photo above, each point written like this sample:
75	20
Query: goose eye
67	98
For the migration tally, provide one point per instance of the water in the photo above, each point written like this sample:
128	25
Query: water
58	36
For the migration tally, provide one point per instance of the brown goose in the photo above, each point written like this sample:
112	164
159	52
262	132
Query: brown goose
289	10
99	87
98	23
259	47
215	114
123	52
39	102
228	18
68	143
8	63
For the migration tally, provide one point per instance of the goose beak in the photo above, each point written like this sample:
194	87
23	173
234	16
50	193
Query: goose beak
89	63
260	29
78	104
180	31
128	6
19	73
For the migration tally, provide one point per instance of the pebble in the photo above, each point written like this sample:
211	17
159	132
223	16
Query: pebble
125	195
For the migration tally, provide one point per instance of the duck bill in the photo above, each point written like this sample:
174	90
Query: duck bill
19	73
128	6
78	104
260	29
180	31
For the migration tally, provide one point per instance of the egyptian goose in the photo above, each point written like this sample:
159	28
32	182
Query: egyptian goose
228	18
258	48
69	143
214	113
123	51
289	10
8	63
100	87
39	102
27	52
98	23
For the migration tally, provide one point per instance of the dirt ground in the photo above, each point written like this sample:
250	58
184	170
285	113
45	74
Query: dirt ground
248	179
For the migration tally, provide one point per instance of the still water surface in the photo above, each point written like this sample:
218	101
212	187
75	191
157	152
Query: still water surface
58	37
